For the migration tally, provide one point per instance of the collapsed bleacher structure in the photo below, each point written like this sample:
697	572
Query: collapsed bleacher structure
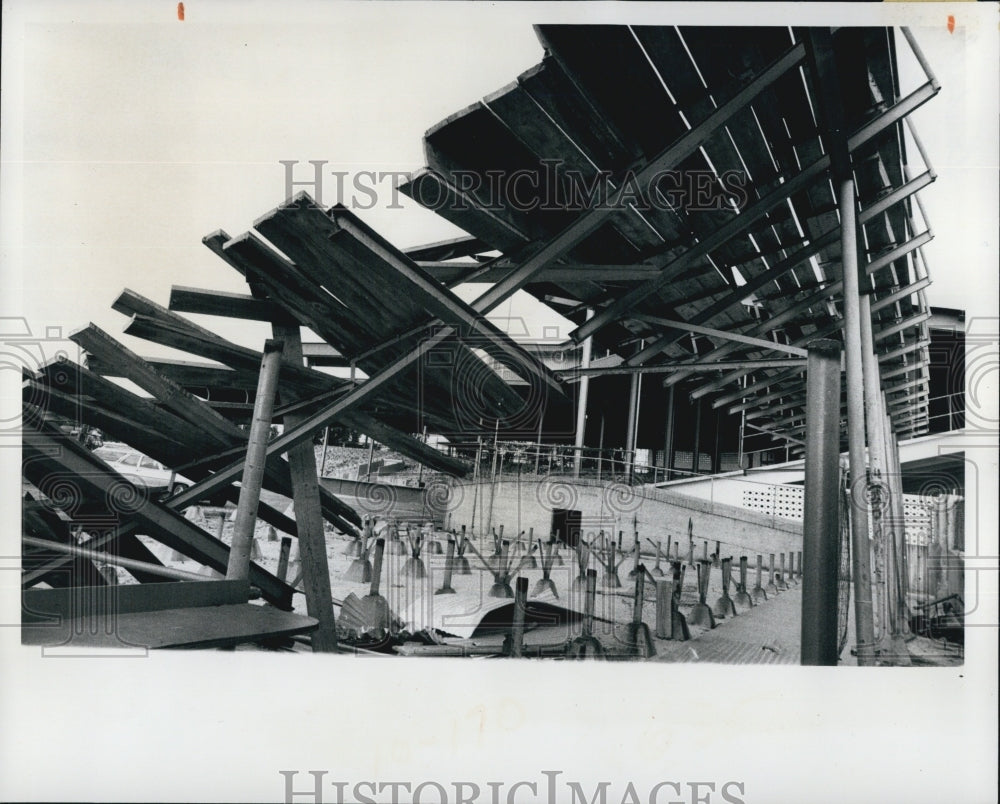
689	198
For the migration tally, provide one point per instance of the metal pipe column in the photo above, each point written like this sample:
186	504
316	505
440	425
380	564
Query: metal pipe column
581	413
821	514
860	559
668	436
633	416
696	449
253	469
880	490
901	619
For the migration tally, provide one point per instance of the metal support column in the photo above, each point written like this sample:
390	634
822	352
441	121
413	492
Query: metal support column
898	545
371	455
716	457
633	406
879	492
860	559
696	449
238	567
821	513
668	436
581	413
635	388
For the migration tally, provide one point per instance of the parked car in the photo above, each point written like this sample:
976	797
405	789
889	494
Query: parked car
142	470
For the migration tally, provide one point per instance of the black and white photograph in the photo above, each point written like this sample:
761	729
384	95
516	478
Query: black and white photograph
499	402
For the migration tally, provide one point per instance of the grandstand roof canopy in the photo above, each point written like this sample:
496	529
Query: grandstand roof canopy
672	191
679	186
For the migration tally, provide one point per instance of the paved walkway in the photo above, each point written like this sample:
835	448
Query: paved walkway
767	634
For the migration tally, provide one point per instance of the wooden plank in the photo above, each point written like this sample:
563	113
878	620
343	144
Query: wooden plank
308	516
437	300
553	90
225	352
603	59
757	210
817	247
295	228
473	141
216	302
299	381
200	627
367	303
322	354
48	454
132	366
185	405
43	605
435	192
180	460
84	411
286	285
517	110
189	373
448	249
739	62
188	406
69	377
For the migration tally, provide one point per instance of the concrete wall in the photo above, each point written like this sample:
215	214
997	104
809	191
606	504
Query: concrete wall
660	514
741	492
386	500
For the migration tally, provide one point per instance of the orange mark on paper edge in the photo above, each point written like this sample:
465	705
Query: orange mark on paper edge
951	23
180	13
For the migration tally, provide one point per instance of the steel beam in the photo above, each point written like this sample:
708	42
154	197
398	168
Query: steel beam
719	333
792	261
673	155
902	293
574	374
761	327
752	214
912	321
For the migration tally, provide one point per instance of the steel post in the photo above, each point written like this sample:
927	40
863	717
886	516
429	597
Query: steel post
581	413
821	519
668	435
860	559
880	490
238	567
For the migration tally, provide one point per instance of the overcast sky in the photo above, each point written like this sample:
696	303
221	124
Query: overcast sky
137	134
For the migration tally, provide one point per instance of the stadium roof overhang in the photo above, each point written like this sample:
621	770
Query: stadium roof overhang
672	191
